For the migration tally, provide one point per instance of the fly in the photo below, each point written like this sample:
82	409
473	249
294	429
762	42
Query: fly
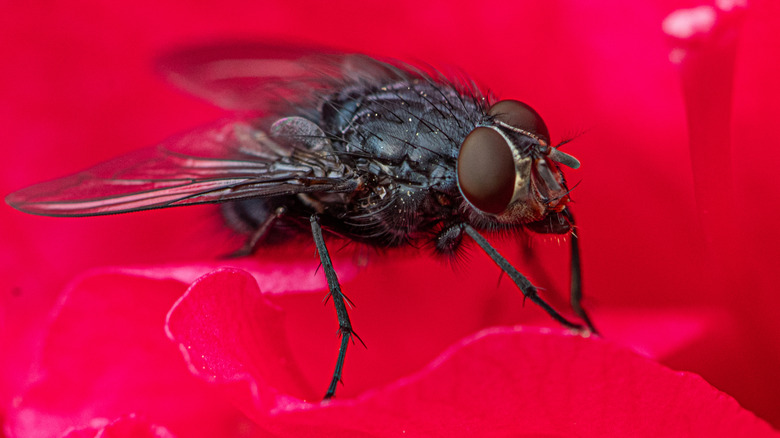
378	152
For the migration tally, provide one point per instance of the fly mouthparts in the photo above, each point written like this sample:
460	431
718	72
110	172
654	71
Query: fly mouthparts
563	158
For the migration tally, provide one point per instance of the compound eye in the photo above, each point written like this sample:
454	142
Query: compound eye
486	171
517	114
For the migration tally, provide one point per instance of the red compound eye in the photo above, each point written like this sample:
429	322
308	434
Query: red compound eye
486	170
517	114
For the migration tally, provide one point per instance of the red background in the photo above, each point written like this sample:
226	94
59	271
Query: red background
77	87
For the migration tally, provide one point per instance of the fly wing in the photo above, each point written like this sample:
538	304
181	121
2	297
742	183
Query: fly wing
269	79
231	159
225	161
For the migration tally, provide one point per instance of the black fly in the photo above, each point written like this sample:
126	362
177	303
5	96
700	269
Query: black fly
375	151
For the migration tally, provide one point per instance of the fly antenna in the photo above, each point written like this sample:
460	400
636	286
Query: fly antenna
563	158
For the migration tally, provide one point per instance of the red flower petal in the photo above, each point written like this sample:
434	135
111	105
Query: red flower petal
516	381
106	355
125	427
519	382
229	333
74	99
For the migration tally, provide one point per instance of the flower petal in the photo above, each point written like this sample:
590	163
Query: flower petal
106	355
519	381
228	333
537	382
125	427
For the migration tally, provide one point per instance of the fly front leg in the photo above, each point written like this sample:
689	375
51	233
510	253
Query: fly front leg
339	300
525	286
576	276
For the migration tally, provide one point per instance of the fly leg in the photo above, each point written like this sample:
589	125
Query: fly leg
525	286
576	277
260	233
339	300
540	271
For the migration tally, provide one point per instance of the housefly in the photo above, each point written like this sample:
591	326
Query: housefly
375	151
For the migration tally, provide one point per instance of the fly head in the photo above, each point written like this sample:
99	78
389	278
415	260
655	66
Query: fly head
508	172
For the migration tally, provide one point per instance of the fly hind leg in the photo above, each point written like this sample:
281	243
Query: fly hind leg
260	233
339	301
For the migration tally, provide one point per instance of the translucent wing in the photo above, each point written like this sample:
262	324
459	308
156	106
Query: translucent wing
231	159
228	160
246	76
